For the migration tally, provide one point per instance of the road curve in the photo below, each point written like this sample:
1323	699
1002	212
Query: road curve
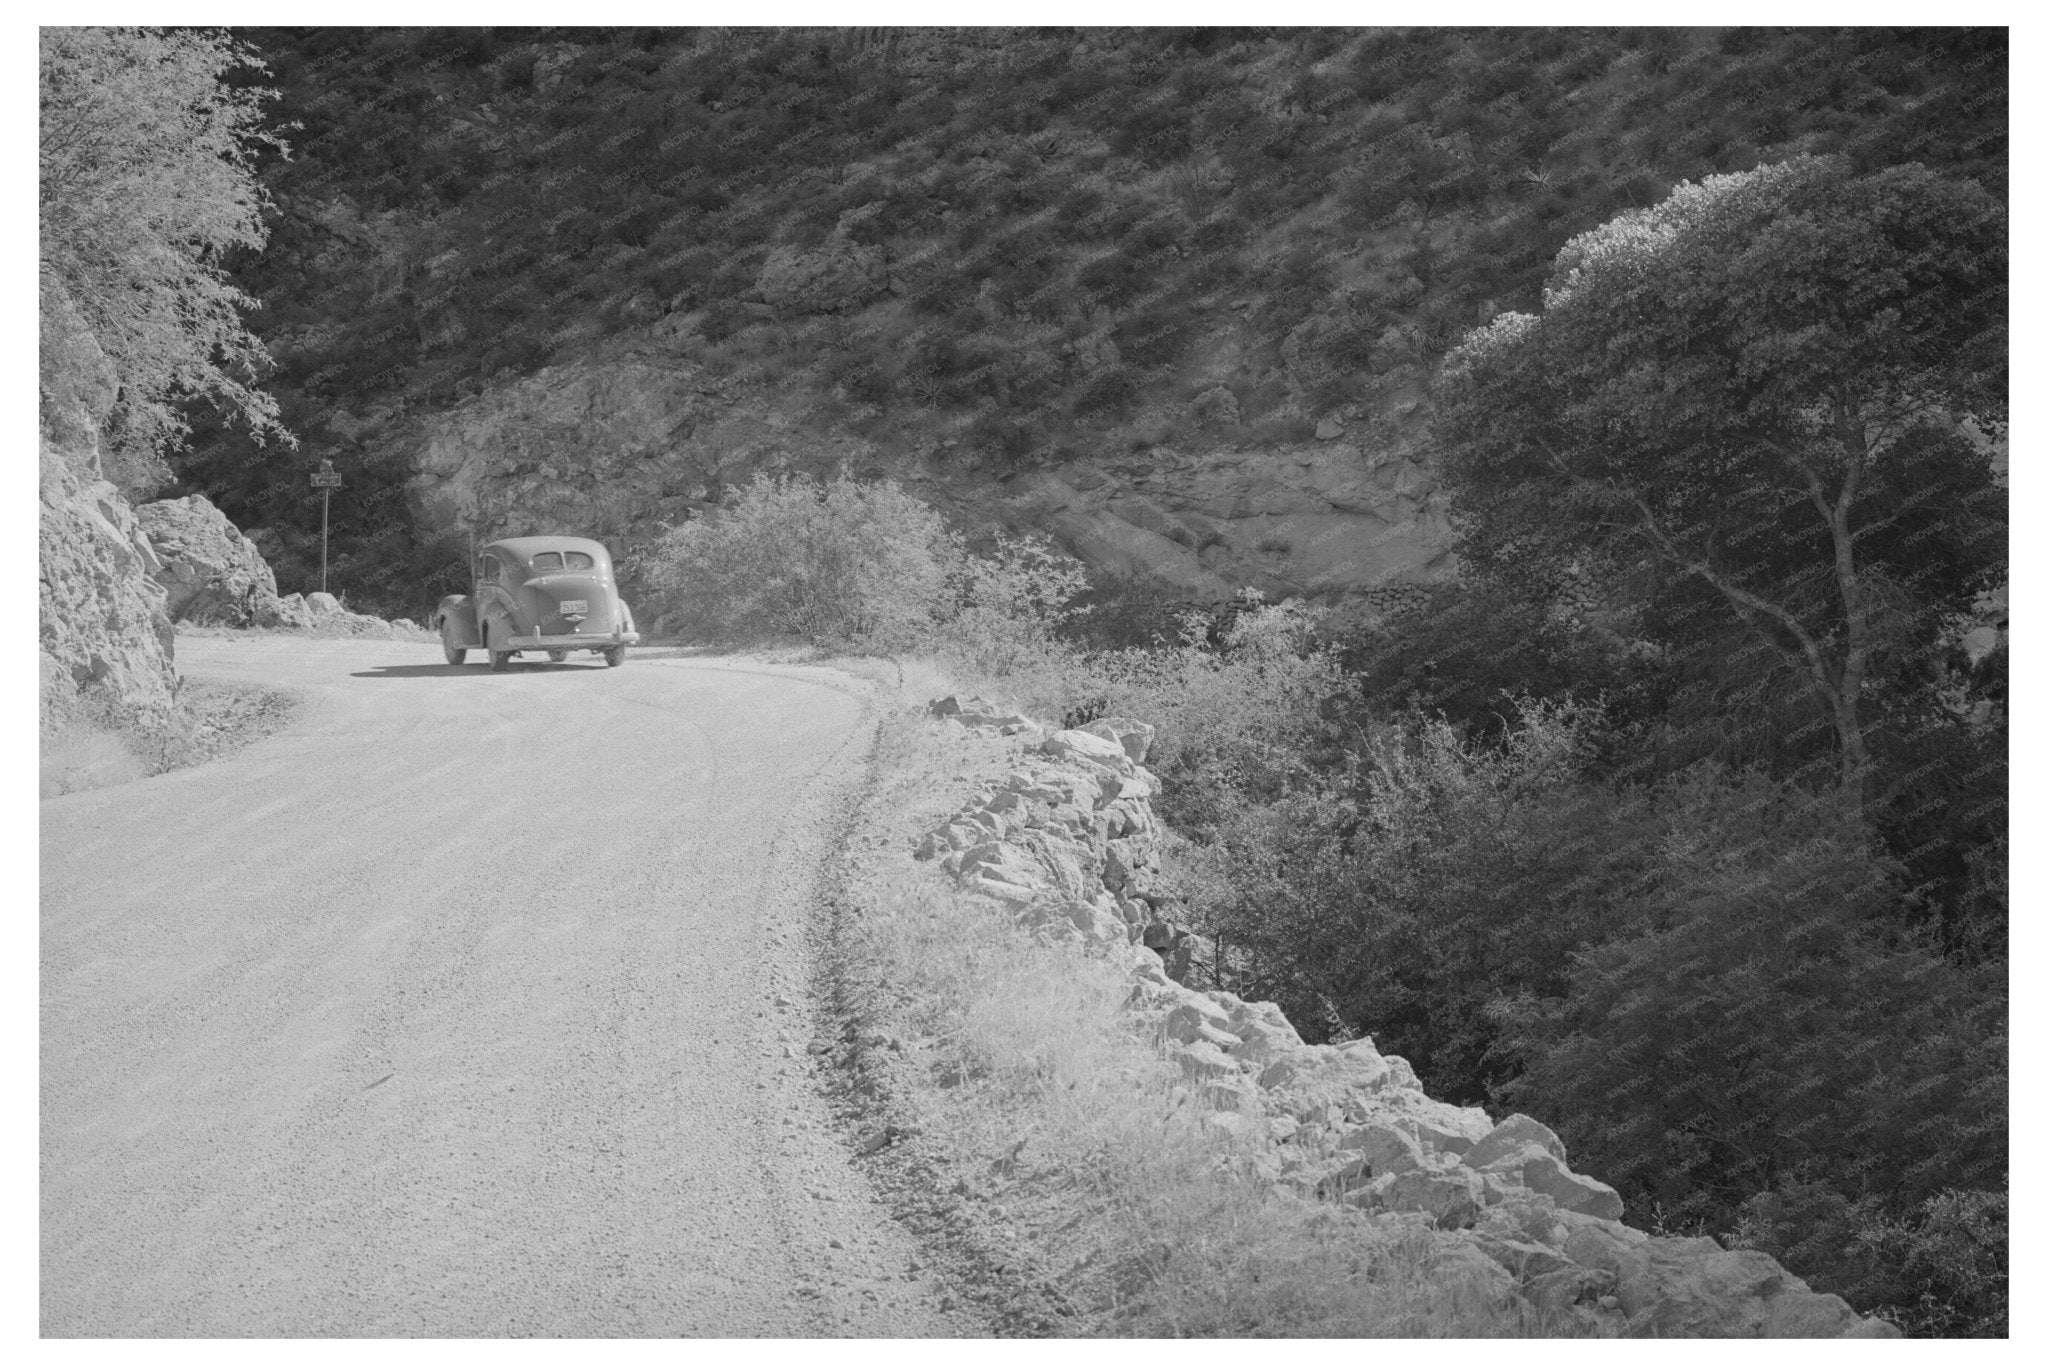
469	1005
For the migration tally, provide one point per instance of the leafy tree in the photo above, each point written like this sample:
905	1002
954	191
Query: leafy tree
1762	384
147	180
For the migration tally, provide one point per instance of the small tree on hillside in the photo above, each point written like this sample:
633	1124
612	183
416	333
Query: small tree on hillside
147	180
1759	384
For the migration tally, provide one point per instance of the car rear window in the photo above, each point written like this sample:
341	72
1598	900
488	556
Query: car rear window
548	560
579	560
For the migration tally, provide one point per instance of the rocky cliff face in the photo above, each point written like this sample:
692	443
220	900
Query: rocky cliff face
105	636
616	445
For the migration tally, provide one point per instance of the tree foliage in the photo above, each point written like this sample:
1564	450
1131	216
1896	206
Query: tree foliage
1763	385
147	185
1706	984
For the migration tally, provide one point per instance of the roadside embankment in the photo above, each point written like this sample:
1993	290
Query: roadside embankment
1108	1151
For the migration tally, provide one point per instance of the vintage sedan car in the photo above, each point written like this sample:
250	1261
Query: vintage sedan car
539	593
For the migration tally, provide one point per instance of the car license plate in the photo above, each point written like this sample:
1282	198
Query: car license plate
573	609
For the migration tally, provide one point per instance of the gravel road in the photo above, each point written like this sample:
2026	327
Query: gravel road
469	1005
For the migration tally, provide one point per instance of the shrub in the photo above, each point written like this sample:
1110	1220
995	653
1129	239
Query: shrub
1237	716
840	562
1937	1267
1410	887
1010	606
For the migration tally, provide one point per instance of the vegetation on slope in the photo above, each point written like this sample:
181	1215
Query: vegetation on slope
145	184
1039	243
1582	840
1600	840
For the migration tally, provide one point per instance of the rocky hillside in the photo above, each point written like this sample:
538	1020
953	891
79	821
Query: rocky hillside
105	636
1175	297
621	443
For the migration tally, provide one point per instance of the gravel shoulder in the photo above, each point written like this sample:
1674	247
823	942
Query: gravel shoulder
466	1004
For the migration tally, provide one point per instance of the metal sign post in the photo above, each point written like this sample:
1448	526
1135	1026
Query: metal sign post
326	481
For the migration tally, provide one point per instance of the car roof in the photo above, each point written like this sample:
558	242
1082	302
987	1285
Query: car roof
526	547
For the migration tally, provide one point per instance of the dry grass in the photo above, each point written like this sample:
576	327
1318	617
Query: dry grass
94	747
80	757
1067	1138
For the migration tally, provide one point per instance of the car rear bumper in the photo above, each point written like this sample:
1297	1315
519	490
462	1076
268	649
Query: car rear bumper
627	637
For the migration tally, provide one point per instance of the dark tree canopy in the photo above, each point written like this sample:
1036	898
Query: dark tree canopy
1782	384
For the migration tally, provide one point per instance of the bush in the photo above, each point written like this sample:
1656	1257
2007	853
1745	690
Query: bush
841	563
1237	715
1414	887
1010	605
1937	1267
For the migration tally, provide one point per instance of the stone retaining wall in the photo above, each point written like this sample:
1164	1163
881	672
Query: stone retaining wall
1068	841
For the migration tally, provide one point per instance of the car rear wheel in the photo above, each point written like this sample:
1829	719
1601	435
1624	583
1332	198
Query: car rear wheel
614	656
501	660
449	649
556	656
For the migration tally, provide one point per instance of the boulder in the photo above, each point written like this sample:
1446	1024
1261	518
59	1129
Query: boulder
211	573
1134	735
1451	1198
1507	1139
1682	1290
1081	744
1521	1259
291	613
1265	1038
1442	1127
1384	1148
1543	1173
1202	1061
1457	1261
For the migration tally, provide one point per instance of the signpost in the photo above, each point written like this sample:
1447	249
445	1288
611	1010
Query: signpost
326	480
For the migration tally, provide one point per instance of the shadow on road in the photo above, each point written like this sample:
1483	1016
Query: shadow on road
465	670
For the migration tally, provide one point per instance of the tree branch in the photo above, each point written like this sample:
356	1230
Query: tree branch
1744	600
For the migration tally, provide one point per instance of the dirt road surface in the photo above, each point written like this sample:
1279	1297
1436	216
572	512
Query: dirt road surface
469	1005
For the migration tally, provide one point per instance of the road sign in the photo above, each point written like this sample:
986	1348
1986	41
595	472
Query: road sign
326	480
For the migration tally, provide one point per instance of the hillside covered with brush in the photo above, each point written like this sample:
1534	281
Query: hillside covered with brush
1007	250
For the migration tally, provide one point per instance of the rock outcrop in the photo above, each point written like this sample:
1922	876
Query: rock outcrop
211	573
835	275
1068	841
105	638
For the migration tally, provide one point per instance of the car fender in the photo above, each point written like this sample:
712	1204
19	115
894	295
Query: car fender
457	614
499	623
